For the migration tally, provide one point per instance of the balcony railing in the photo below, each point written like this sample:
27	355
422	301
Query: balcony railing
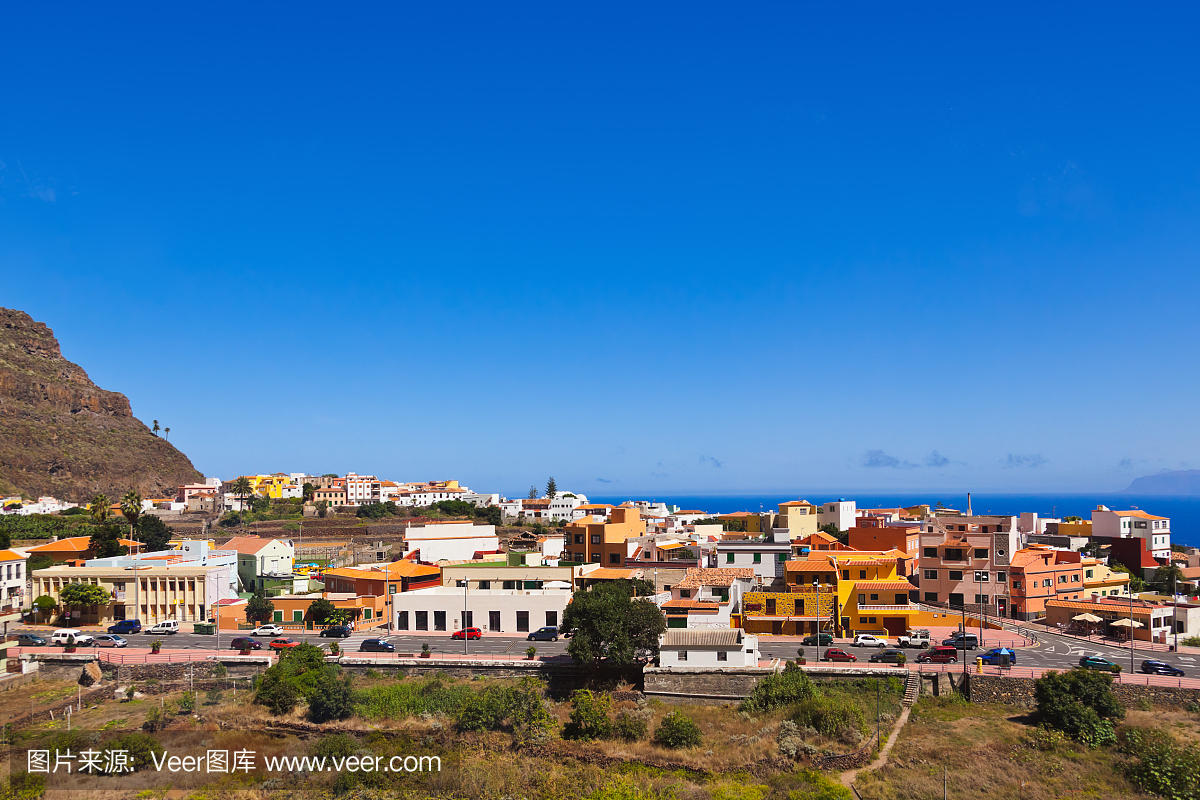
905	607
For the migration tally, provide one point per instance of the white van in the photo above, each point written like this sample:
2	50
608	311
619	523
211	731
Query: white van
61	636
167	626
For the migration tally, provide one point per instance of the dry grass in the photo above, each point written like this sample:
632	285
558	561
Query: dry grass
981	748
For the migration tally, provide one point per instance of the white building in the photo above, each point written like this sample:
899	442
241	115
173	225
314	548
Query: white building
563	505
706	598
449	608
12	581
840	512
43	505
362	489
1135	524
682	649
765	558
450	541
481	500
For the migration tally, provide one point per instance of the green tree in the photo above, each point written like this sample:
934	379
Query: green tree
533	493
332	697
1136	584
1166	578
320	610
106	542
259	608
322	508
154	534
308	490
83	595
1080	703
131	509
242	489
99	508
589	716
551	488
155	428
676	731
606	622
44	604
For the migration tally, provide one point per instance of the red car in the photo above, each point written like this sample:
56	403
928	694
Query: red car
836	654
467	633
283	644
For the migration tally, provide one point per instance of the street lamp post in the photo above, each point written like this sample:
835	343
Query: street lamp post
466	582
1131	631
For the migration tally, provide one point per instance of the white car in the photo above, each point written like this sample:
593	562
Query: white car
267	630
867	640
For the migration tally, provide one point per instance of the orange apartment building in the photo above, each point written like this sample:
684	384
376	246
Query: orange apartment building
591	541
874	533
1040	573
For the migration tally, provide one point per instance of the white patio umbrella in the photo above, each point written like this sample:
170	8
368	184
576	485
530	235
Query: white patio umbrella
1128	623
1087	618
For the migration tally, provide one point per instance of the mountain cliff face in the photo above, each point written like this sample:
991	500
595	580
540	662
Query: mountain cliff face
1180	481
62	435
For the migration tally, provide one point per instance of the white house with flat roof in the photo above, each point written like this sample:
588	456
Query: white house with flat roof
1135	524
683	649
445	609
450	541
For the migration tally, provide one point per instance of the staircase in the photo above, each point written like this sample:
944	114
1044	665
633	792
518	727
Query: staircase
912	688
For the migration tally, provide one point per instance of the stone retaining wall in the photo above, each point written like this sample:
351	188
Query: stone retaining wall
562	678
1019	692
719	684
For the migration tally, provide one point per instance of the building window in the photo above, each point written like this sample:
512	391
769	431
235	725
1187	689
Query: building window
439	620
931	597
422	621
870	620
758	558
845	574
722	655
595	538
523	621
874	598
981	577
683	655
402	621
1075	578
862	574
782	557
685	593
1001	577
482	585
1062	578
981	552
862	599
954	554
956	574
579	538
551	619
729	558
595	558
931	574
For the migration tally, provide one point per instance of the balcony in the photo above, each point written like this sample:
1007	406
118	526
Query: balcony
901	609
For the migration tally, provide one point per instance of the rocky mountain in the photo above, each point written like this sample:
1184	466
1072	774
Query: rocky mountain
1179	481
62	435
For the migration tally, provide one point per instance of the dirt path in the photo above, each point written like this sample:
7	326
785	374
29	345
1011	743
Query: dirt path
849	776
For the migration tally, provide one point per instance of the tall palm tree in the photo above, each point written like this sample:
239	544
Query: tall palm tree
155	429
167	431
131	509
100	508
243	489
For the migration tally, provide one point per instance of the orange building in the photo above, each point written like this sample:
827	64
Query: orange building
1040	573
873	533
76	548
399	576
592	541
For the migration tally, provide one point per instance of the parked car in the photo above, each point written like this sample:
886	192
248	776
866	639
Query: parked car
867	640
283	644
962	641
336	631
1152	667
837	654
126	626
376	646
939	655
269	629
245	643
889	657
817	640
916	639
109	640
30	640
170	626
546	634
61	636
467	633
1100	663
993	656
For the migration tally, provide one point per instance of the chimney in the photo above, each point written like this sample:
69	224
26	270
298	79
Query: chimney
969	514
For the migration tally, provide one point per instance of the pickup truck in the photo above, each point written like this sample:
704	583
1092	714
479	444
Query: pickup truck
919	639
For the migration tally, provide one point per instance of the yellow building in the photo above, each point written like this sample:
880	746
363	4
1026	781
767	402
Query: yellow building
1099	579
799	517
843	591
1080	528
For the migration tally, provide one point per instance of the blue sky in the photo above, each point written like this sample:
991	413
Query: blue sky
684	248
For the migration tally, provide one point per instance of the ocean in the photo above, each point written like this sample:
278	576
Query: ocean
1184	511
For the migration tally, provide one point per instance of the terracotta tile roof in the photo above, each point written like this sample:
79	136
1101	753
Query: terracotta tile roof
613	574
692	605
408	569
246	545
9	555
1120	609
883	586
1138	514
723	576
809	565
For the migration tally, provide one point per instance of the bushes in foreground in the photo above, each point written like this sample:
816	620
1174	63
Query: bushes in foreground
779	690
1080	703
676	730
1161	765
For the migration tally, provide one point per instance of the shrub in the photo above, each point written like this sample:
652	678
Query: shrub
187	703
1161	766
410	698
589	716
277	693
140	746
219	671
1080	703
831	716
779	690
154	720
676	731
1191	641
332	698
629	727
212	697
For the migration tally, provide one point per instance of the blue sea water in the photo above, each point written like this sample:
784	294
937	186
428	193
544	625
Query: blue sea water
1184	511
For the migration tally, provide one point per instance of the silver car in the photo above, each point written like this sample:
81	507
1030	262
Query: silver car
110	640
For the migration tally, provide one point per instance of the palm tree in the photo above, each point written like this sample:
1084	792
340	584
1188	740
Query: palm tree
131	509
242	488
100	508
155	429
167	431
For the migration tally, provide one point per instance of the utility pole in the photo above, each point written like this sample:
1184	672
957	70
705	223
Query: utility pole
466	582
1131	628
1175	610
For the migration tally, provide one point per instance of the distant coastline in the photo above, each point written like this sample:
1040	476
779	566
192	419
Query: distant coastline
1184	482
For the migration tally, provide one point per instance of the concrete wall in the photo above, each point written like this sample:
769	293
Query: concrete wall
1019	692
703	683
